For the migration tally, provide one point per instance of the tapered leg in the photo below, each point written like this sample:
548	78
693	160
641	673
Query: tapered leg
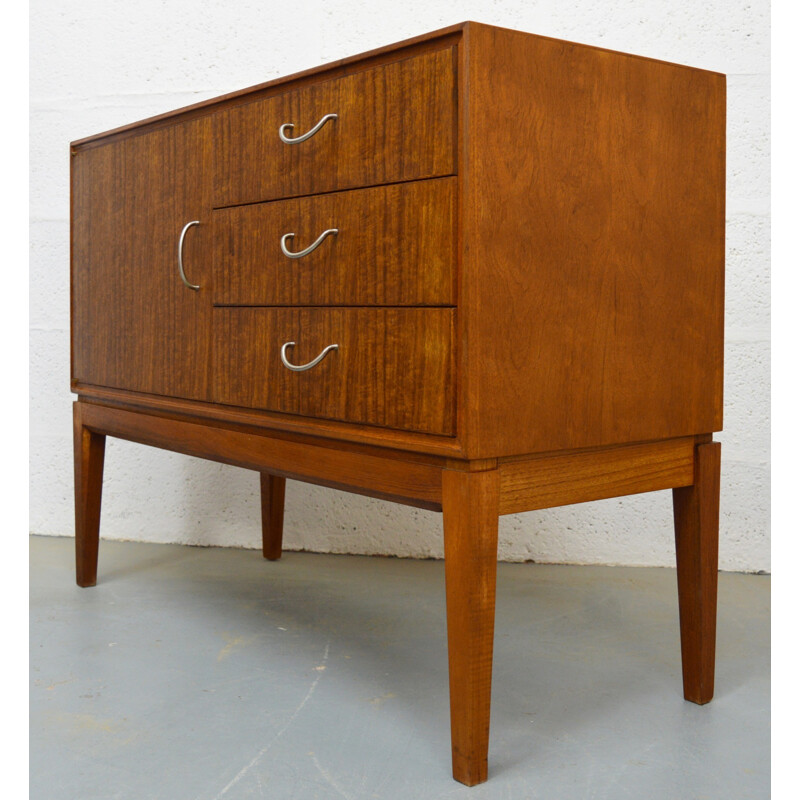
273	490
696	511
89	453
470	502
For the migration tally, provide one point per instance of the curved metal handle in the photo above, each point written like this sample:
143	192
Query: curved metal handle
304	367
311	248
290	126
180	254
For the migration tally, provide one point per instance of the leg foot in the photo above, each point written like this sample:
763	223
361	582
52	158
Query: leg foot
89	453
273	490
696	511
470	502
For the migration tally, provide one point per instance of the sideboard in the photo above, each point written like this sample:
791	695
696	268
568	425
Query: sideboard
478	271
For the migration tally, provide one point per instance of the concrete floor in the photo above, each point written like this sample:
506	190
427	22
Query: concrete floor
201	674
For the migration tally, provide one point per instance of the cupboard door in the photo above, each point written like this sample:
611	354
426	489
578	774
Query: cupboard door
135	324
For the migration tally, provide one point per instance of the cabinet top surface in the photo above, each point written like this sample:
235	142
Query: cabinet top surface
335	67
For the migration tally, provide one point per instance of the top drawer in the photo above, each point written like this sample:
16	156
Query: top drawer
395	122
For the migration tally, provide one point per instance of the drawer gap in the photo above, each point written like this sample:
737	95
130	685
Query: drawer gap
329	191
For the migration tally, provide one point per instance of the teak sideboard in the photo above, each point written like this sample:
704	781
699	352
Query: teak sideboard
479	271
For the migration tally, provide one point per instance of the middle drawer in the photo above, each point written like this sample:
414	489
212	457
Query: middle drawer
388	245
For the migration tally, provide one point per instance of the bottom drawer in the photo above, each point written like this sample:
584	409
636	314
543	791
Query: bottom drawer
392	367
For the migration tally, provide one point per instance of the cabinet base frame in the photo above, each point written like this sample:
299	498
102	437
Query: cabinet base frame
472	496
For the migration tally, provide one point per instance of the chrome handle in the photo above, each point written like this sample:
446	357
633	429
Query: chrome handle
180	254
290	126
304	367
311	248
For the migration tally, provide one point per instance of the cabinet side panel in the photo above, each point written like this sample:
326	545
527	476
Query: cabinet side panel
593	246
92	201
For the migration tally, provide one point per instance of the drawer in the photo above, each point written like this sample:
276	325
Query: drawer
394	245
393	366
395	122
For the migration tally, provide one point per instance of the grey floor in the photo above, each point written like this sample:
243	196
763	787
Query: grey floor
201	674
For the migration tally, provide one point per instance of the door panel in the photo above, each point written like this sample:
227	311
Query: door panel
135	325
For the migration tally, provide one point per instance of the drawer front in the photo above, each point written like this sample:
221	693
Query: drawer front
395	122
393	366
394	245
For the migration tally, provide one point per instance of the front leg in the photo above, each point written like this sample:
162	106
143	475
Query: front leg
273	490
696	511
89	454
470	503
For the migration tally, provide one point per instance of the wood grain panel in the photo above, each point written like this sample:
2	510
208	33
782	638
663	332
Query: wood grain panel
395	246
396	123
393	367
593	251
562	479
134	323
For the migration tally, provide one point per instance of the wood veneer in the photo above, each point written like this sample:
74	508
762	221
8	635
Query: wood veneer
526	290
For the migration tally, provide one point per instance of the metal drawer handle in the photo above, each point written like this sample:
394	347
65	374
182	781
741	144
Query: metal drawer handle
304	367
288	126
311	248
180	254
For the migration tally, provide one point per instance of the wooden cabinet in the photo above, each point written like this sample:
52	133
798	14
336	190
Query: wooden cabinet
479	271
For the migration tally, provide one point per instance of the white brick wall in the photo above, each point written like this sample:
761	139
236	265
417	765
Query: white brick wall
98	64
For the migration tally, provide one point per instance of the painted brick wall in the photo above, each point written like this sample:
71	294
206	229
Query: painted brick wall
98	64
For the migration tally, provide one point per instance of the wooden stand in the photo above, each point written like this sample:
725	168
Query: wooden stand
472	496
